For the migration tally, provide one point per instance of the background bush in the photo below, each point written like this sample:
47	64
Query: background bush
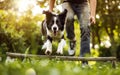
18	33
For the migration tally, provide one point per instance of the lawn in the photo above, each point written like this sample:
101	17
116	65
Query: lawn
55	67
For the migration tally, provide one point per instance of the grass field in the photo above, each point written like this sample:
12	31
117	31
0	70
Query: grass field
53	67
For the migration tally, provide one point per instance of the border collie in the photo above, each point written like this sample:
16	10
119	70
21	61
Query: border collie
53	29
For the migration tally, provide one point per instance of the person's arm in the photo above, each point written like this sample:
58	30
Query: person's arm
51	5
93	4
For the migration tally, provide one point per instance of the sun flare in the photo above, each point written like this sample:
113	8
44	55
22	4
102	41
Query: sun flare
24	5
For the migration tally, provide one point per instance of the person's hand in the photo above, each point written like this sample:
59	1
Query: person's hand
92	20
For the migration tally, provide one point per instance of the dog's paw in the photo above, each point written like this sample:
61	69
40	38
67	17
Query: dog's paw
59	52
48	52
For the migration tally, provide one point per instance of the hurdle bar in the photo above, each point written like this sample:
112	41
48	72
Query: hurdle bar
68	58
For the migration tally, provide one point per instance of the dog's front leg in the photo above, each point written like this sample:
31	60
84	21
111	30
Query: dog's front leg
61	46
48	46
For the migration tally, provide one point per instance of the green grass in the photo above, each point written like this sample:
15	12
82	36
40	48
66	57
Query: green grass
53	67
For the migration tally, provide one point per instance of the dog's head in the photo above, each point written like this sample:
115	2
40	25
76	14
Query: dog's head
55	23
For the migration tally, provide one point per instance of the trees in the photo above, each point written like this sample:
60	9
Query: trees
108	22
20	30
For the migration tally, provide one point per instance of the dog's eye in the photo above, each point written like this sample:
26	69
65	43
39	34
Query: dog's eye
56	21
52	21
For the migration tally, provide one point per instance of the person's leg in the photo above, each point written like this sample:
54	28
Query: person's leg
70	28
83	14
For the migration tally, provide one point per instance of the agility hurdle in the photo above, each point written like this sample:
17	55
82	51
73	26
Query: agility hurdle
67	58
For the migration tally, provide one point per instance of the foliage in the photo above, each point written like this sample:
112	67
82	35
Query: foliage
19	32
108	23
53	67
104	52
118	52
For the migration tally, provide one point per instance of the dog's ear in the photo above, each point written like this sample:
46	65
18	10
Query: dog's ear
62	15
48	14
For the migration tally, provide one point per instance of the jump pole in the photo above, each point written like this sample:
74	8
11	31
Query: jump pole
68	58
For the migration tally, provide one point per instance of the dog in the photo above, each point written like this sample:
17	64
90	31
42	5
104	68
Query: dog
53	29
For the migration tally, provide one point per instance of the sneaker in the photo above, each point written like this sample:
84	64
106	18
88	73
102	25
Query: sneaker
71	50
85	64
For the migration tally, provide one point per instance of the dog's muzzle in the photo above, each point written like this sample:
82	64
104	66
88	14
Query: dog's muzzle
55	30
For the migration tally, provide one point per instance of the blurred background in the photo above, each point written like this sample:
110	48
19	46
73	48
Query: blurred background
20	22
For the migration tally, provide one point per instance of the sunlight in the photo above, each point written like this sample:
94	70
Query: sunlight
1	0
97	16
96	46
119	7
106	1
25	5
107	7
37	10
59	7
106	43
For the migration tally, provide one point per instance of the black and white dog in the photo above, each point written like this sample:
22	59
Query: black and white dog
53	28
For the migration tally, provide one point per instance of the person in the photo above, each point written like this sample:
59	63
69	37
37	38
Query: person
85	11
